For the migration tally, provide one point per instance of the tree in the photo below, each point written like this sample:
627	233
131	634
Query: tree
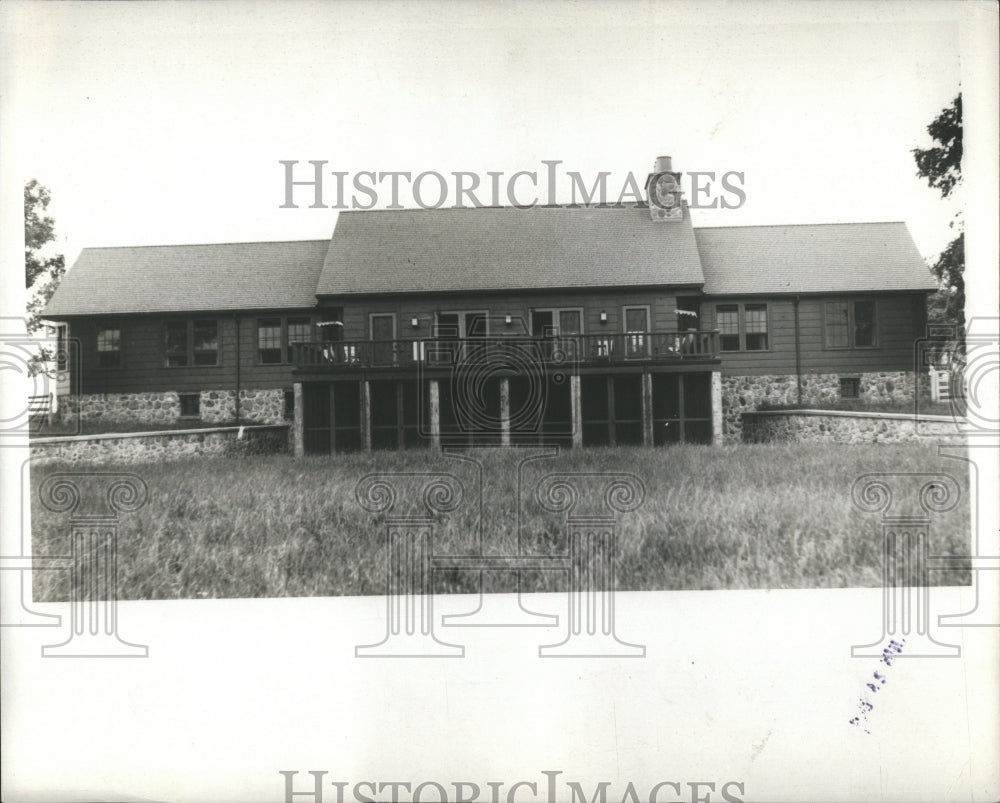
941	166
42	270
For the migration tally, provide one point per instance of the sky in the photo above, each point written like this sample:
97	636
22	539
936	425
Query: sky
158	124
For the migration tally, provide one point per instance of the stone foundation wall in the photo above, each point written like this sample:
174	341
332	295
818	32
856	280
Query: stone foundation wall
153	447
157	408
828	426
744	394
217	407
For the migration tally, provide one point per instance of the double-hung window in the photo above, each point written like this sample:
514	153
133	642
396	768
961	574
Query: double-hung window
109	348
193	342
849	323
277	336
742	327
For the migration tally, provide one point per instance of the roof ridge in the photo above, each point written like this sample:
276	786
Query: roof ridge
198	245
790	225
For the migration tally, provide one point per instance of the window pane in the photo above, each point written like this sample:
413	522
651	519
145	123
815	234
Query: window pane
835	319
636	320
727	321
206	342
299	331
569	322
176	343
269	340
109	348
864	323
755	317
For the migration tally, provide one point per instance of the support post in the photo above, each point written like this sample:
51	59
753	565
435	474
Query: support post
504	411
717	435
577	409
435	405
366	415
647	408
298	421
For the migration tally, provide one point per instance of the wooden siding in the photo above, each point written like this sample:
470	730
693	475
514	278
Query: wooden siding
662	306
143	356
900	321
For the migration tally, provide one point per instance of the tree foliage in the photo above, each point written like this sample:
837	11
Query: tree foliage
941	166
42	270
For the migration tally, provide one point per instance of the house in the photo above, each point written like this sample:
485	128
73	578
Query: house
599	325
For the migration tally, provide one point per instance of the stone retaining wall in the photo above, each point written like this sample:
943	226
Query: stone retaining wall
216	407
744	394
834	426
148	447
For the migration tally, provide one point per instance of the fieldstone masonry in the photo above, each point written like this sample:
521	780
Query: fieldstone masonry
217	407
829	426
744	394
148	447
153	408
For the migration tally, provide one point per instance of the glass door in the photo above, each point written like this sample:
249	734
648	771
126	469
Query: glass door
636	329
384	335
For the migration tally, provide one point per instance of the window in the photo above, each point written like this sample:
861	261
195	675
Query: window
177	344
742	327
299	331
727	321
755	316
864	324
289	412
570	322
275	337
269	340
636	326
850	387
190	405
109	348
192	343
553	322
206	342
849	324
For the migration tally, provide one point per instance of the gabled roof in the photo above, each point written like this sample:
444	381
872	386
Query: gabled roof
190	278
478	250
823	258
505	248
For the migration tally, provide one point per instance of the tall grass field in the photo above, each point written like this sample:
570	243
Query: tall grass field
746	516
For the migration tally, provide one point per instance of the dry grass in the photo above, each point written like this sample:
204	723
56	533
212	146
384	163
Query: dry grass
733	517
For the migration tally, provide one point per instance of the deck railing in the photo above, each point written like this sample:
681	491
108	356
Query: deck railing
611	348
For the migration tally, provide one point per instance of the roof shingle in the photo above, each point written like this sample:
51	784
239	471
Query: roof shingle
188	278
822	258
505	248
478	250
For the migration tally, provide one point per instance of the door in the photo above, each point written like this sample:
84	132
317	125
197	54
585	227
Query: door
383	337
636	328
